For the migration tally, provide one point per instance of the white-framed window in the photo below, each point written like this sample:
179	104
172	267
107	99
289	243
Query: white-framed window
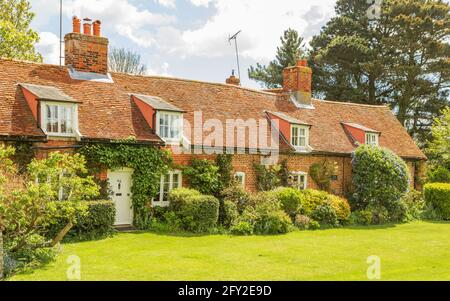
240	178
59	119
169	181
169	126
299	136
372	139
299	180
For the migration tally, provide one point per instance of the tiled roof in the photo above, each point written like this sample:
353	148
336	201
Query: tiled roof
288	118
48	93
107	110
361	127
157	103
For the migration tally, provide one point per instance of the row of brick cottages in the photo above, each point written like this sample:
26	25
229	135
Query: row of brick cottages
59	107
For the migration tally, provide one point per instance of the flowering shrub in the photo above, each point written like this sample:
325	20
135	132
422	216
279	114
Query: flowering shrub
380	179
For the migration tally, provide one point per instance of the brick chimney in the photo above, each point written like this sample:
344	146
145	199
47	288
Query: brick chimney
297	81
87	51
233	80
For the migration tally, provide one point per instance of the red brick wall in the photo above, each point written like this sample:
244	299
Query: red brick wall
86	52
55	145
296	163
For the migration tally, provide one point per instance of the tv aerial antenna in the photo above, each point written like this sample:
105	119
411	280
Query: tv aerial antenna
60	31
234	37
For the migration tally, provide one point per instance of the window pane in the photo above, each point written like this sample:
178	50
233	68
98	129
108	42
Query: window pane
302	141
69	123
63	114
176	181
55	124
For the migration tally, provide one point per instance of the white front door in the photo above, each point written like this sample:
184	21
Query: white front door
120	185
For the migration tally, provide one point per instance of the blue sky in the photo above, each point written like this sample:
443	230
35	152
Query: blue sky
187	38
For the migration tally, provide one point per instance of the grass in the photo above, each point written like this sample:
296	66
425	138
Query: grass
415	251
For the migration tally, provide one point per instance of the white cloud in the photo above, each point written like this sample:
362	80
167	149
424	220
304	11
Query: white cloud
162	70
262	22
125	18
201	2
48	46
166	3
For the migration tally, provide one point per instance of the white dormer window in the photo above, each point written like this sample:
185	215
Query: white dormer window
59	119
169	126
372	139
299	136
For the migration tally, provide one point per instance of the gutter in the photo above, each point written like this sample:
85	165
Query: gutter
21	138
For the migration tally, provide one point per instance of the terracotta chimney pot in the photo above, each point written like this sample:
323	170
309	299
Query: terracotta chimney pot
302	63
97	28
87	27
76	24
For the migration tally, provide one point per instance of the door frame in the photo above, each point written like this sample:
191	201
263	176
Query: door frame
124	170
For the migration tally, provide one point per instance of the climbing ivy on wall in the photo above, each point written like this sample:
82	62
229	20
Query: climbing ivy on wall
148	163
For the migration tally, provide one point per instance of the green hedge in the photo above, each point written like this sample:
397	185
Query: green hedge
437	195
196	212
97	223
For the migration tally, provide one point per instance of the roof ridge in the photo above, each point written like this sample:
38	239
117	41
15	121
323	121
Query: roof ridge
197	81
352	103
154	76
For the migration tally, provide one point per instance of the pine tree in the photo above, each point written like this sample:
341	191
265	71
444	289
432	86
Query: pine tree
287	55
400	59
17	40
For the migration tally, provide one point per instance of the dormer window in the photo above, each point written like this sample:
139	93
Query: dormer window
162	116
299	136
372	139
56	113
58	119
169	126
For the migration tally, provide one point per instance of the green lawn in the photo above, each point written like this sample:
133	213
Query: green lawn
416	251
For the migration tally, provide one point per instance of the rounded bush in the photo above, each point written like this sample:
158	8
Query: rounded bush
437	195
236	194
290	199
228	213
341	206
193	211
311	199
96	221
362	217
380	178
273	222
177	197
302	221
325	215
242	228
415	205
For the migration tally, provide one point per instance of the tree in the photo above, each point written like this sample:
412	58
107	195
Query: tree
400	59
288	53
27	202
438	147
17	40
125	61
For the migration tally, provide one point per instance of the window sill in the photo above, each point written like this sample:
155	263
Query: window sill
303	149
